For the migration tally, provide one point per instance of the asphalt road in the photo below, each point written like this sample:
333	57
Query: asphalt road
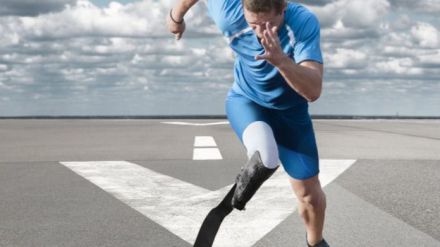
388	197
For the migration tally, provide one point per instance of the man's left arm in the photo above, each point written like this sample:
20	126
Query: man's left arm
305	78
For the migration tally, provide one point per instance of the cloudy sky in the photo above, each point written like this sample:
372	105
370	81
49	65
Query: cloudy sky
99	57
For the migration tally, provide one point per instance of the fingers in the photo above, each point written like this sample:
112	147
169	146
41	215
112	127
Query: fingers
272	29
266	54
271	33
265	44
266	39
176	29
261	57
269	42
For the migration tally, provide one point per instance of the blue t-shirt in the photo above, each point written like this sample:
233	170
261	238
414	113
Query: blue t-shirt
257	79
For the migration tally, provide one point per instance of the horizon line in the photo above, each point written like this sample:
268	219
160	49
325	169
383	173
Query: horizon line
314	116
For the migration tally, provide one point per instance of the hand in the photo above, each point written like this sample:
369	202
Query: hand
174	27
271	44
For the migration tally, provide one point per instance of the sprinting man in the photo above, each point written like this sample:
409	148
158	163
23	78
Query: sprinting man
278	70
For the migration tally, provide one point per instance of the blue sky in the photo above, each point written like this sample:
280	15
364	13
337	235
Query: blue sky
81	57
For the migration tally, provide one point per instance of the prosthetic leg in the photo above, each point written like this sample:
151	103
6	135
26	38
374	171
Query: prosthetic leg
247	182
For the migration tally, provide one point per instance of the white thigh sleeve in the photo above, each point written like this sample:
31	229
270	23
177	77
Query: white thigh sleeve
258	136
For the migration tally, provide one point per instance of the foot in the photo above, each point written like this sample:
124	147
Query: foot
323	243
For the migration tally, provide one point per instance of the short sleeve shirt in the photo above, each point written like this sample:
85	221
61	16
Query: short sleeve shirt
260	81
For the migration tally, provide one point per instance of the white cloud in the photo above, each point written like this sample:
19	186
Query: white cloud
423	6
85	19
138	19
432	58
82	49
346	59
3	67
398	66
361	14
367	39
352	13
32	7
426	35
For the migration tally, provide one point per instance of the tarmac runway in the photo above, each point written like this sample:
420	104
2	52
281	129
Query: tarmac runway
135	182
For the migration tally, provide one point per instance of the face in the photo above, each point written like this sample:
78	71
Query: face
257	21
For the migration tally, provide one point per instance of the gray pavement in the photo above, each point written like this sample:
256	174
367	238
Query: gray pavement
389	197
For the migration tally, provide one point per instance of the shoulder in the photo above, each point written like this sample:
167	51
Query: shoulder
222	9
227	14
301	20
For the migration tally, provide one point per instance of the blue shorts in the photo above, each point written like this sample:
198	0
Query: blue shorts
292	129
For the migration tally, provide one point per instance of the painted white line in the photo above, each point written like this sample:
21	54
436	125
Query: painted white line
331	169
161	198
204	141
207	154
197	124
181	207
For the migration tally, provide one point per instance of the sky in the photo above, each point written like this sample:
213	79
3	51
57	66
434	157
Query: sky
98	57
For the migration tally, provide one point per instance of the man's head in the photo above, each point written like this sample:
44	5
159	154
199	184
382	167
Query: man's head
258	12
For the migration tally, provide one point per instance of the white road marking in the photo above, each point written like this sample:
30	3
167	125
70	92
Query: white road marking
207	154
204	141
197	124
181	207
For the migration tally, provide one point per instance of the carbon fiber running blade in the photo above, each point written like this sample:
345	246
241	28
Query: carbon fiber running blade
212	222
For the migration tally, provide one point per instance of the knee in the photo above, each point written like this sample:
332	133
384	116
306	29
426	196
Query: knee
258	136
268	156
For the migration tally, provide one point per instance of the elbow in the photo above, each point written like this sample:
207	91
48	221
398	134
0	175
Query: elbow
314	97
315	93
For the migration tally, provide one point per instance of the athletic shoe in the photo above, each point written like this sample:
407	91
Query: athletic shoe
323	243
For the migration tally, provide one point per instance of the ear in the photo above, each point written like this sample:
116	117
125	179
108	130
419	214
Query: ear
284	7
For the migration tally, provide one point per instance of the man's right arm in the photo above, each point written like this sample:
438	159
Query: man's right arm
175	19
182	7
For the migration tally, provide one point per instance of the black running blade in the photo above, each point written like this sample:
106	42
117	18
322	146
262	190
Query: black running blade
213	220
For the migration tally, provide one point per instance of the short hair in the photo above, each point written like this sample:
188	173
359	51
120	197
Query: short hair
264	6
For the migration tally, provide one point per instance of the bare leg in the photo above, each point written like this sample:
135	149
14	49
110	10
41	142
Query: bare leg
312	205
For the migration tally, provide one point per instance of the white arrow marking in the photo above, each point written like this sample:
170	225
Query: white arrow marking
181	207
196	124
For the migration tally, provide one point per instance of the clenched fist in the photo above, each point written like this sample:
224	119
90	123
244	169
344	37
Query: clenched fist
175	26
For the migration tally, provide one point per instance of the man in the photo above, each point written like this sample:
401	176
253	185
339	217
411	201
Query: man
278	70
